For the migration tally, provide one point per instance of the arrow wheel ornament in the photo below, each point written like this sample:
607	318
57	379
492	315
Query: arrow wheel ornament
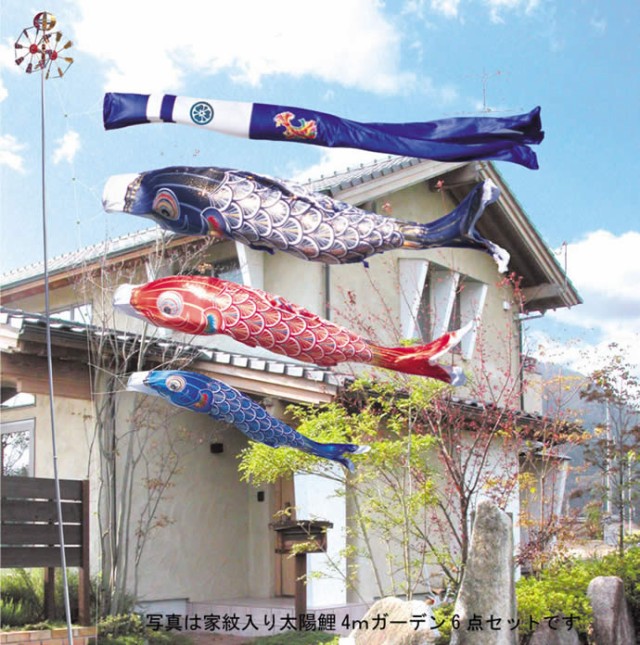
40	49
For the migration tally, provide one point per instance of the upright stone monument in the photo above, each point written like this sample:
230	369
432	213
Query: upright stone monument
612	622
486	606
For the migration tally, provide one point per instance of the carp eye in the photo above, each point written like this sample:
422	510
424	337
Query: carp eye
176	383
170	304
166	204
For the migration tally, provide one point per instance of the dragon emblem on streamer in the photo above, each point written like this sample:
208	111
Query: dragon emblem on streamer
305	129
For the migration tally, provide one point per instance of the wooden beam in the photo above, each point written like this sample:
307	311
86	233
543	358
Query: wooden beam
29	374
40	488
49	593
15	510
16	556
300	603
31	536
27	533
289	388
84	576
35	285
540	292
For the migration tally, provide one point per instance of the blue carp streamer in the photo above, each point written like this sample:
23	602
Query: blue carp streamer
275	215
207	395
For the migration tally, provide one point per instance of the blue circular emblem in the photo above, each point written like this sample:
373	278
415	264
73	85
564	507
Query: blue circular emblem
201	113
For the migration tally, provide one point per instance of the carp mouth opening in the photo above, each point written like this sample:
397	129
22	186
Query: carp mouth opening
138	383
122	297
119	193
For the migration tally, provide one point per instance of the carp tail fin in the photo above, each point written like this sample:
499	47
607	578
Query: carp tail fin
458	228
420	360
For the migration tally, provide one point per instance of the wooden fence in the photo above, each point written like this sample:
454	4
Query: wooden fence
30	535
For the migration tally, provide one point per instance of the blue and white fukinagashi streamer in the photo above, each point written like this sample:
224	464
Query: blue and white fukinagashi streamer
453	139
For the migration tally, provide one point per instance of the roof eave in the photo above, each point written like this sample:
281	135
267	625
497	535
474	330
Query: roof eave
379	184
555	290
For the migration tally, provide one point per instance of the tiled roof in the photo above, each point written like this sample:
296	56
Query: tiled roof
22	321
362	174
331	185
77	258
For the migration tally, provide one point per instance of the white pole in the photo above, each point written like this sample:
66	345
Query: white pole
47	308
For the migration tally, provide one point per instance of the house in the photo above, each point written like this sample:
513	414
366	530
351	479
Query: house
211	542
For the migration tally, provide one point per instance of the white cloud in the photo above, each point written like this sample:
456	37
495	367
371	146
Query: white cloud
452	8
10	149
498	7
68	146
448	8
598	24
349	42
583	355
604	269
7	64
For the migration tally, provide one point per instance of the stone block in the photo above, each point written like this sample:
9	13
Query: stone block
548	634
487	587
612	624
409	630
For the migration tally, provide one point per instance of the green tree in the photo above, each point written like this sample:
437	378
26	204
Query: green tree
413	496
136	456
390	506
615	446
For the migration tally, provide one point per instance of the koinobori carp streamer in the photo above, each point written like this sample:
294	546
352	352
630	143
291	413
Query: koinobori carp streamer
204	305
276	215
206	395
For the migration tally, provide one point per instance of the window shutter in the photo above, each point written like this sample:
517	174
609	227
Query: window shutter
413	275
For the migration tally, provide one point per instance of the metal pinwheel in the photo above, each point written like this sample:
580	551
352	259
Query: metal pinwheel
40	49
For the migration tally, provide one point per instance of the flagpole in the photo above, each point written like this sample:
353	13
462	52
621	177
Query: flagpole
47	309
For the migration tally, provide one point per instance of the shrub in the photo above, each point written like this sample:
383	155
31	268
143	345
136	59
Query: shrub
442	616
121	625
22	599
299	638
562	588
129	629
13	613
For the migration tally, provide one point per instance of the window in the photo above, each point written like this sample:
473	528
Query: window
19	400
229	270
77	313
435	300
17	448
468	304
225	270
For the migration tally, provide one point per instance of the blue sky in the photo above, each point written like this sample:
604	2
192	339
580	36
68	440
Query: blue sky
404	60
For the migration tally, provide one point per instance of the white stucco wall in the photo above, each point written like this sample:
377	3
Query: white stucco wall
501	464
318	498
207	550
369	299
74	435
216	544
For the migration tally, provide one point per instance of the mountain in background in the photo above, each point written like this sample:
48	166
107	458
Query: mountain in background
584	481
